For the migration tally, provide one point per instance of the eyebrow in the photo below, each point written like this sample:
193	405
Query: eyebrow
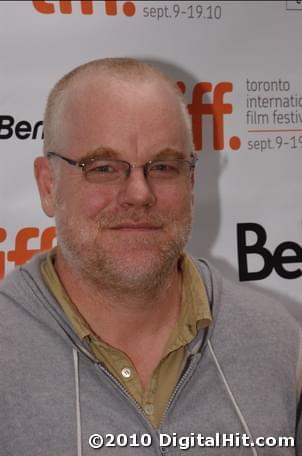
108	153
169	153
101	152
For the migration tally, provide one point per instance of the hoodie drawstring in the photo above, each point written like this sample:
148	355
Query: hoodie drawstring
237	409
78	409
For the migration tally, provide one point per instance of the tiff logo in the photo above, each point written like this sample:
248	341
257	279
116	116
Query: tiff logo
87	7
217	109
22	252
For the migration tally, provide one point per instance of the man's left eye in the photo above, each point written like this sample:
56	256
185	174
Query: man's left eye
162	167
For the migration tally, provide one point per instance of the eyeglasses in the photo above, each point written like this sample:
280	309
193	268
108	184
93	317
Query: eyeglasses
107	171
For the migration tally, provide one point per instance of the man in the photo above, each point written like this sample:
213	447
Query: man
117	334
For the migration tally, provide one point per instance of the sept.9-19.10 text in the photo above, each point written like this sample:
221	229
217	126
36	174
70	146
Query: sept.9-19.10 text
173	10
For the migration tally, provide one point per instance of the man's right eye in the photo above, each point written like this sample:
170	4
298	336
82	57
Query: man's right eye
102	168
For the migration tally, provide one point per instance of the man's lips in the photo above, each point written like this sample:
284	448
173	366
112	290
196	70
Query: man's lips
135	226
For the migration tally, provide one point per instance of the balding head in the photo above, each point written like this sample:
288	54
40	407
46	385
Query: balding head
125	70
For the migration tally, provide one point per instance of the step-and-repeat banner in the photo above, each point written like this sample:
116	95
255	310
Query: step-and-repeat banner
239	65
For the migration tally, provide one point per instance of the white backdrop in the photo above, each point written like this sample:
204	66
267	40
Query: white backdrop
240	65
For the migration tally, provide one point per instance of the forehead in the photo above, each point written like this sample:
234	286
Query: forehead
134	118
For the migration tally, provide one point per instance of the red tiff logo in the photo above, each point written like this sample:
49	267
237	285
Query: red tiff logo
217	109
87	7
22	253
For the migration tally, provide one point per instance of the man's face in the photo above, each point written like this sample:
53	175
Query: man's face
130	233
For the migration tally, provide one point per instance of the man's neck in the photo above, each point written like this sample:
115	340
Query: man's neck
129	321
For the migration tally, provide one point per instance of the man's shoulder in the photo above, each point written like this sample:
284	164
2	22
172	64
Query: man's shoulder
238	304
28	309
251	328
21	287
21	275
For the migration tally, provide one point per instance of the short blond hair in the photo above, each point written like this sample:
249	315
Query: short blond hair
126	68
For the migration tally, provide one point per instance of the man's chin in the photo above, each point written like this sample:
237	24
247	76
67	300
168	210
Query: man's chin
141	269
134	275
136	258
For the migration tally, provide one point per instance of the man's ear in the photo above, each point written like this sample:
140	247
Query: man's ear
45	181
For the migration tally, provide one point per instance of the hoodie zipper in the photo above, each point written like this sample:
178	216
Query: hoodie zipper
153	432
184	379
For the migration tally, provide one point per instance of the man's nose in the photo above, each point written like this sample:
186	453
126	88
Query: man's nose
136	190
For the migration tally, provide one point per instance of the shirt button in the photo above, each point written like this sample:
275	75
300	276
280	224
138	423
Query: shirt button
149	409
126	372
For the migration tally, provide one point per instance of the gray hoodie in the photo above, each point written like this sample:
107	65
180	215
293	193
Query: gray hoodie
241	382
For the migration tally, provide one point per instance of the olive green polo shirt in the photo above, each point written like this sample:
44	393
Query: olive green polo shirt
194	314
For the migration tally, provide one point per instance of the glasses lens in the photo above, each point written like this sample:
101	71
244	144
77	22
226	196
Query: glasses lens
106	171
168	169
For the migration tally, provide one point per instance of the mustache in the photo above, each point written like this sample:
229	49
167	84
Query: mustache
133	216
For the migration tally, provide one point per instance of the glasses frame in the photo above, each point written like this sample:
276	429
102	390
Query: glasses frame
84	162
